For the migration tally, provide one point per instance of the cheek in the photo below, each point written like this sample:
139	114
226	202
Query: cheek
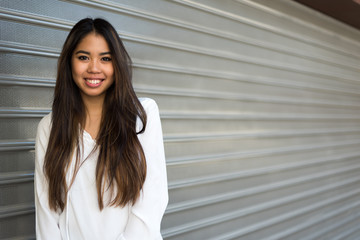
110	72
74	68
78	69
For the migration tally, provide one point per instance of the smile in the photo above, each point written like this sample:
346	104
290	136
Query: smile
93	82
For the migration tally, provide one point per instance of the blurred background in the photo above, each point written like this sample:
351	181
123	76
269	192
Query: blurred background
259	100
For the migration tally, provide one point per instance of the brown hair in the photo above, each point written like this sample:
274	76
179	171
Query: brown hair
121	165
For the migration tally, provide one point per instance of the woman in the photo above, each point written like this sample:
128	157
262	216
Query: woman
100	168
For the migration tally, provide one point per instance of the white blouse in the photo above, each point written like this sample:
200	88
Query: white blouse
81	218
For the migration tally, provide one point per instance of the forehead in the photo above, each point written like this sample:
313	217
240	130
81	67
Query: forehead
93	42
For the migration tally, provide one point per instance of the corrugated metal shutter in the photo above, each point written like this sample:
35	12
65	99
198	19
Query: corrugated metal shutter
260	103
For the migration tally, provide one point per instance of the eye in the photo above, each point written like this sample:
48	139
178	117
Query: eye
83	58
106	59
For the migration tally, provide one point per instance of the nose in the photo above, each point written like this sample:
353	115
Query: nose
93	66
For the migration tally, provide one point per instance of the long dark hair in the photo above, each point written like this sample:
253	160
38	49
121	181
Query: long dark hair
121	165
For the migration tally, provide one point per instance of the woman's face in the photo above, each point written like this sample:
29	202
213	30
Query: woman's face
92	67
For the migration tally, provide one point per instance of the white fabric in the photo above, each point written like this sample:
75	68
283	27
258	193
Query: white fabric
82	219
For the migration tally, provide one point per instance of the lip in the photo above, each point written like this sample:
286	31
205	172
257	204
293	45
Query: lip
93	82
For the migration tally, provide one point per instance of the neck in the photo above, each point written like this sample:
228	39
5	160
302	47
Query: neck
94	108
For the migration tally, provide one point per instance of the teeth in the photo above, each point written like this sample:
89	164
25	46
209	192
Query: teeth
93	81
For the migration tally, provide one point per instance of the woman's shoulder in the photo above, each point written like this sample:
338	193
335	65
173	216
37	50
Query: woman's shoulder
152	112
45	123
148	104
46	120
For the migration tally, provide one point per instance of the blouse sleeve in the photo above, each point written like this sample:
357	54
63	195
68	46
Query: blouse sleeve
46	219
145	216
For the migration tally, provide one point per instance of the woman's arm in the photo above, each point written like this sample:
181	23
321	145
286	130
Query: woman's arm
46	219
145	216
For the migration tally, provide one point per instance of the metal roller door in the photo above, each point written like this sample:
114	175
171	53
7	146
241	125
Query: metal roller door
260	105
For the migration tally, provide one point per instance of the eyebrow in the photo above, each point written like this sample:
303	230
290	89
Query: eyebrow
88	53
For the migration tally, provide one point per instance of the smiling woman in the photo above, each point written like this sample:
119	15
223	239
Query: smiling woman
100	165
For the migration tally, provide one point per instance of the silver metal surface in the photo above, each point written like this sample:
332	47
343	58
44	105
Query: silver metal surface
260	107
